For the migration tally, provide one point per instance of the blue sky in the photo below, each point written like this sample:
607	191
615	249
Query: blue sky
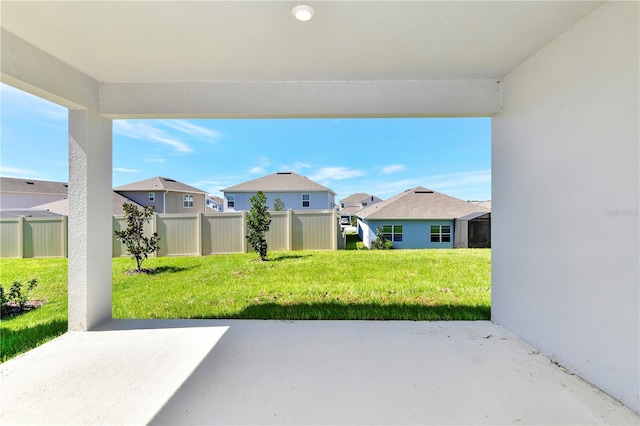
378	156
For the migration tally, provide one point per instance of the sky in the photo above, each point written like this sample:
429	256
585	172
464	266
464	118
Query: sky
382	156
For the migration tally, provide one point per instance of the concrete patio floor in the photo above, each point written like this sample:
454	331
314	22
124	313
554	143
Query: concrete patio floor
302	372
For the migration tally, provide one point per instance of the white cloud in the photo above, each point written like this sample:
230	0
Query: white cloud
192	129
256	170
335	173
16	172
155	160
123	170
457	180
393	168
144	131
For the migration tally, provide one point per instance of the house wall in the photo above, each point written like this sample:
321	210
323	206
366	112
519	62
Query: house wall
142	198
416	234
292	200
26	201
175	202
565	162
172	204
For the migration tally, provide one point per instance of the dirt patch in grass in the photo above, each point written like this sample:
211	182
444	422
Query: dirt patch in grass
141	271
13	309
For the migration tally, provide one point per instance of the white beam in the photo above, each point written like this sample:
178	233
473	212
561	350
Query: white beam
90	210
28	68
450	98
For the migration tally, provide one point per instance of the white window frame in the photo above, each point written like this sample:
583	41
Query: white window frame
308	201
152	197
231	201
187	201
395	236
440	235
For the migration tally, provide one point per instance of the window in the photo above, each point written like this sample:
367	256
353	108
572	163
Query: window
305	200
440	233
231	201
364	204
392	232
152	197
187	201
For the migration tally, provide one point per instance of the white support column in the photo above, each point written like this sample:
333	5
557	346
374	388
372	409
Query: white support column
90	219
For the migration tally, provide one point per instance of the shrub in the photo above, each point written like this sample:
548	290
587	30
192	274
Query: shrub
258	222
278	205
381	243
18	295
138	246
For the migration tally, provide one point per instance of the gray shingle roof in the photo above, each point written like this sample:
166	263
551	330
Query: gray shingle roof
420	203
33	186
158	184
355	198
279	182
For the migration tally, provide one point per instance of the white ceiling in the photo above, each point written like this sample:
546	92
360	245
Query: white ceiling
143	41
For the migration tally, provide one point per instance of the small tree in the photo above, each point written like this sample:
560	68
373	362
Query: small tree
381	243
354	221
258	222
139	247
278	205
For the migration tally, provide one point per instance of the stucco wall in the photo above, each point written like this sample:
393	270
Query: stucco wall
292	200
565	201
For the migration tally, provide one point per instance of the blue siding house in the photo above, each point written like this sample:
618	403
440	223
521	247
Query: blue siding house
418	218
296	191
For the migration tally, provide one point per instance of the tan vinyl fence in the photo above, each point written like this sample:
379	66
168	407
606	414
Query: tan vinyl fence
182	234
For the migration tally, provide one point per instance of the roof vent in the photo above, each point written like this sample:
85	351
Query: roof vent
66	185
424	192
29	182
169	179
283	173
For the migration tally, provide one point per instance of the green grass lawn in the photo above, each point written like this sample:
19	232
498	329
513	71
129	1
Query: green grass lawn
327	285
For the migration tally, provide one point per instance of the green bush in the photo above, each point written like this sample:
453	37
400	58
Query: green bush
17	295
381	243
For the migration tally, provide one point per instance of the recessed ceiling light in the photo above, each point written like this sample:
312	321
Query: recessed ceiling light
303	12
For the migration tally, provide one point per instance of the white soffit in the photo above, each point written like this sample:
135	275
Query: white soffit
217	41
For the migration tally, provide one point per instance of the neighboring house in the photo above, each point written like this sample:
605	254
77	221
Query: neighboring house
20	194
165	194
354	203
422	218
214	203
61	207
297	192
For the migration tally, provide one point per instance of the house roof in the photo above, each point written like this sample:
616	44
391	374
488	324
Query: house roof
486	204
351	210
27	213
420	203
159	184
218	200
355	198
279	182
32	186
61	207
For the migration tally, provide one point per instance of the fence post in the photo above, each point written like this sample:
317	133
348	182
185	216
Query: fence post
334	227
199	229
65	236
245	249
154	229
21	223
289	230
